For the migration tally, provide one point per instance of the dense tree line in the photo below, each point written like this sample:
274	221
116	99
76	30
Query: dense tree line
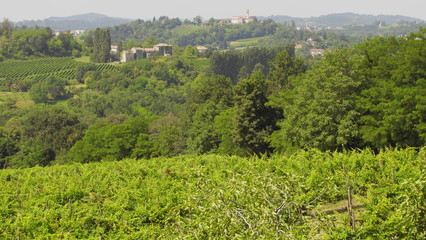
370	95
35	42
255	102
39	42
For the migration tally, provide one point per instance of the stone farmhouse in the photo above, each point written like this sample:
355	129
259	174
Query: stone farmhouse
137	53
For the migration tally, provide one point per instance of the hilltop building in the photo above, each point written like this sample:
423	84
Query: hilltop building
242	19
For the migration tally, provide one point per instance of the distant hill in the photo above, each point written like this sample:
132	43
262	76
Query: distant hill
342	19
94	20
76	22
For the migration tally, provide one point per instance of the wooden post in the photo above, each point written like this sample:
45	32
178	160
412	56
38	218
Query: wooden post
350	210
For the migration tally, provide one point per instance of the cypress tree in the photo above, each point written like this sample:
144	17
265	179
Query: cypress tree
101	46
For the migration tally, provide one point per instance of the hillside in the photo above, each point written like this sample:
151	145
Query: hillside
303	196
76	22
16	70
342	19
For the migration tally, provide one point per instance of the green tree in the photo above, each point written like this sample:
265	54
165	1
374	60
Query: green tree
39	93
47	89
320	106
224	128
8	147
282	67
107	141
254	120
226	64
6	28
393	107
44	133
166	137
207	97
150	42
81	70
198	20
101	45
108	81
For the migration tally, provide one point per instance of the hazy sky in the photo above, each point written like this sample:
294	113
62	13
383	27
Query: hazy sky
17	10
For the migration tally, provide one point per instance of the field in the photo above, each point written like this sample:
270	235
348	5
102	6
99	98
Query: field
248	42
303	196
16	70
186	29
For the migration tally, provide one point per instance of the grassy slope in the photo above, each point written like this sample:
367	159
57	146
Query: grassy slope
196	197
186	29
248	42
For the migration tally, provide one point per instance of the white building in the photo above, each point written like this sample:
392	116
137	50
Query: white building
242	19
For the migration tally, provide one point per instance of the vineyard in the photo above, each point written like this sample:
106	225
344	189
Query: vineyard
40	68
309	195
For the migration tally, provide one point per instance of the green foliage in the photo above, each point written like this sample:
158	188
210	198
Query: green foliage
236	65
319	107
282	67
8	147
226	64
392	107
254	121
202	137
219	197
39	93
101	46
108	81
42	134
35	42
207	98
105	141
166	138
81	70
47	89
63	45
369	95
224	128
217	89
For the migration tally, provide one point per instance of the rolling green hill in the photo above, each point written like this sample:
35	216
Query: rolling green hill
341	19
75	22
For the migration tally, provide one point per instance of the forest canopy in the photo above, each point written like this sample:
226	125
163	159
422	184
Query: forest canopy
258	101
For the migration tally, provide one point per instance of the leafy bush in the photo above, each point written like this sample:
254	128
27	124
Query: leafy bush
220	197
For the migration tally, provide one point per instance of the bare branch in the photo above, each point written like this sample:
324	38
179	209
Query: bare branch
244	219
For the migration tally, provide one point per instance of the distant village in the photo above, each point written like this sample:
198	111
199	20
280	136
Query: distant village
163	49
